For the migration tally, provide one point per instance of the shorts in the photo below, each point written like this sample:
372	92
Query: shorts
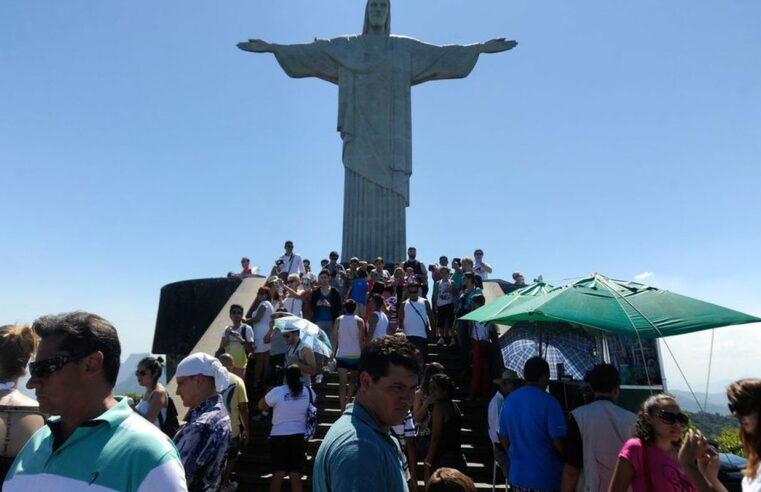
288	453
445	316
344	363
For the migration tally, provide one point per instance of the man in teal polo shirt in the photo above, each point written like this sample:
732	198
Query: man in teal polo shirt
94	442
358	452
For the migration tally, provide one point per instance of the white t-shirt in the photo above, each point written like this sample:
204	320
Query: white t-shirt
292	305
292	264
480	331
348	336
289	415
445	292
752	484
478	269
405	429
381	326
262	327
414	314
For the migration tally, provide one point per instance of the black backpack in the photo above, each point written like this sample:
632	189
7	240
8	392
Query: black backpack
171	424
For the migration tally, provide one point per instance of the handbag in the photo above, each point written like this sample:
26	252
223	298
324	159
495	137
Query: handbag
311	422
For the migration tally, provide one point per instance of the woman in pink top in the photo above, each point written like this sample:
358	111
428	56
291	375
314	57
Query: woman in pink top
649	461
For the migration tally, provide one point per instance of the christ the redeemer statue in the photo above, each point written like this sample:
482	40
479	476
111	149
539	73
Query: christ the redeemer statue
374	72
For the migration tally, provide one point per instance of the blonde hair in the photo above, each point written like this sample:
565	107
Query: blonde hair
293	276
17	344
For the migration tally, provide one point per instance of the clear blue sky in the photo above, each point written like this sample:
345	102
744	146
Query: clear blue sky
139	146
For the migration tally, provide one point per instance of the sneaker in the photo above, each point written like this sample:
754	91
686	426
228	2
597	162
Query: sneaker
441	341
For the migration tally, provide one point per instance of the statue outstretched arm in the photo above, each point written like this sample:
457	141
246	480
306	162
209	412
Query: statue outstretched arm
496	45
258	46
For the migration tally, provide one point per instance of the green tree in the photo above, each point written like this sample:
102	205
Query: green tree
729	441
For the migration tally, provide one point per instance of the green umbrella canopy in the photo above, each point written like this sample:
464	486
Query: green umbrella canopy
513	299
615	306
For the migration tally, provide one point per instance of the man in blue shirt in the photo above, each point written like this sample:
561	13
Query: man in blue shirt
532	429
358	452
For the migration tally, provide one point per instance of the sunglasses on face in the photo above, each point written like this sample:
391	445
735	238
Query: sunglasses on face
672	418
44	368
739	409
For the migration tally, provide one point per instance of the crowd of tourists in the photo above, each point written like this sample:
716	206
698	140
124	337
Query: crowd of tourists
397	407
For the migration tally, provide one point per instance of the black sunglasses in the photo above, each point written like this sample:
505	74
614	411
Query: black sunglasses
739	409
44	368
672	418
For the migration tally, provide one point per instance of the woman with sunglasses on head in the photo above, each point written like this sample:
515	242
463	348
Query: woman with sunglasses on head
19	415
648	461
156	398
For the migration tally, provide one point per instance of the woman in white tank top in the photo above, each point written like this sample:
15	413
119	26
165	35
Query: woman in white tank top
348	340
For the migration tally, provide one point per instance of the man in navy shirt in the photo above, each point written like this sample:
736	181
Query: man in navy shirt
532	428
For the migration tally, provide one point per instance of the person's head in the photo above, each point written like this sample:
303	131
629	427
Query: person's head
745	403
293	379
291	335
288	247
398	273
507	382
294	280
478	254
324	262
468	280
376	302
149	370
245	262
379	264
456	263
278	263
409	271
353	262
660	418
441	387
444	272
227	361
443	261
77	359
263	294
478	301
362	273
388	370
323	278
333	256
236	313
413	291
536	371
518	278
449	480
17	345
307	265
388	291
199	377
605	381
350	306
377	17
430	369
412	252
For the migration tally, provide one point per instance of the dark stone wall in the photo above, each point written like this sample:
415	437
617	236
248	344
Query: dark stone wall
186	309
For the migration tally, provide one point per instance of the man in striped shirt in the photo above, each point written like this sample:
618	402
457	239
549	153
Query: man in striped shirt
93	441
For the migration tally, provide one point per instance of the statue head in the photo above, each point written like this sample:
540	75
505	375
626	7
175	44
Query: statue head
377	17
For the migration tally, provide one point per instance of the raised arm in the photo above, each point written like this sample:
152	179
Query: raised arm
497	45
258	46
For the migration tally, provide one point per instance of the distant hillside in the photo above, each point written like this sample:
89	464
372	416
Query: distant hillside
717	402
712	424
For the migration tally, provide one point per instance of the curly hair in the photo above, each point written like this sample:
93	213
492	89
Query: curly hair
746	394
643	430
17	344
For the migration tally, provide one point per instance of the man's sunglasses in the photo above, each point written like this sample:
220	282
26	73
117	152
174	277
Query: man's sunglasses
44	368
739	409
672	418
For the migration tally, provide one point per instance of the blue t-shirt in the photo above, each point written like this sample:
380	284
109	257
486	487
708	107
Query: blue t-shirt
531	419
357	455
359	290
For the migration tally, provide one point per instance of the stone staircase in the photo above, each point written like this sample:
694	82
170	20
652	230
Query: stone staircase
253	469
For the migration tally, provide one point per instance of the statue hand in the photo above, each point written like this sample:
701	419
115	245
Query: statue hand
256	46
498	44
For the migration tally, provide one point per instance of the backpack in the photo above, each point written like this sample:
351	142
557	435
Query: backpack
171	424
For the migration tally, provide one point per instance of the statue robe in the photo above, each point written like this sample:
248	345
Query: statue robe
374	75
